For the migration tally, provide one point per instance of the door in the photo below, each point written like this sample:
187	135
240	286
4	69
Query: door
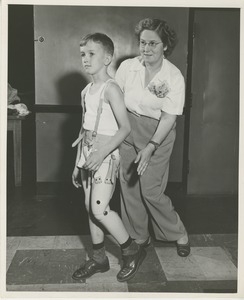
214	122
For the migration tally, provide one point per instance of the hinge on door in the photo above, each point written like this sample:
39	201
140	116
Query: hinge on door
190	100
188	104
194	30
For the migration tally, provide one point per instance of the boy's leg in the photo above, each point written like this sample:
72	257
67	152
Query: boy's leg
132	254
101	195
99	262
97	234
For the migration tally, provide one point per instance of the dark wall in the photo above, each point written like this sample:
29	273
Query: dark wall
20	48
60	78
59	75
213	147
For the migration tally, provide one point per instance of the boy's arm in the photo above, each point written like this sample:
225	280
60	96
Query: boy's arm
81	133
78	154
78	141
114	97
76	171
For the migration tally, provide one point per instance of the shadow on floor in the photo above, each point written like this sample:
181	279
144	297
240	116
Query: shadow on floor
61	211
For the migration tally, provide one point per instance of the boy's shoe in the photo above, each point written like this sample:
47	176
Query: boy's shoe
131	264
146	243
90	268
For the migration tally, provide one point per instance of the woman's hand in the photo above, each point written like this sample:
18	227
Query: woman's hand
165	125
94	161
75	178
143	157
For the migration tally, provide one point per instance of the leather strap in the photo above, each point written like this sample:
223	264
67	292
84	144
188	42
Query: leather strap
100	108
99	112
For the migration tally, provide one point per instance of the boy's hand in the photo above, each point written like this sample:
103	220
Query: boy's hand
94	161
75	176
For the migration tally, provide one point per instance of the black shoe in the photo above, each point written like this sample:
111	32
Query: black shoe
90	268
146	243
131	264
183	250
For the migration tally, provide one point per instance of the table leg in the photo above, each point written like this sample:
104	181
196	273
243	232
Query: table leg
17	153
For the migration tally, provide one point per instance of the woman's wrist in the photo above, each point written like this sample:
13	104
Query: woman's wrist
151	147
154	145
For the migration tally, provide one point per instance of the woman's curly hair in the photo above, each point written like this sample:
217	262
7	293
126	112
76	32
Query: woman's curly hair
166	34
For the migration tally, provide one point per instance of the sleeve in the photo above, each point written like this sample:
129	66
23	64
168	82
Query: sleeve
120	75
174	101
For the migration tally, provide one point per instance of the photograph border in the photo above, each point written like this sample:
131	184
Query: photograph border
3	138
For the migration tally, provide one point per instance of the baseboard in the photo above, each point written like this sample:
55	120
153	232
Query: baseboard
53	188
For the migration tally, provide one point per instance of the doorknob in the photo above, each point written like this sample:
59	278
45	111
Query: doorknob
40	39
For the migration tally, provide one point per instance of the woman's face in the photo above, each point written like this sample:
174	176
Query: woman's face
151	47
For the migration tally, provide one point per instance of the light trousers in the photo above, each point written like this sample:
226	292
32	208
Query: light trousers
142	197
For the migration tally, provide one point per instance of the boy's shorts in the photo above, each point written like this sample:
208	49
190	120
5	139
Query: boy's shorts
91	144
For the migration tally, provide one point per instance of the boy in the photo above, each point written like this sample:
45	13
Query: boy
105	126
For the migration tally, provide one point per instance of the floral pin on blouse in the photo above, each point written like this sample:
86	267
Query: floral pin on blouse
160	89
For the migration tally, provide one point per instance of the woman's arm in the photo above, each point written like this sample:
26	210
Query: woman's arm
114	97
165	125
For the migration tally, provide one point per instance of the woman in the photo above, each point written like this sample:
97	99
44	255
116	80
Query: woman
154	93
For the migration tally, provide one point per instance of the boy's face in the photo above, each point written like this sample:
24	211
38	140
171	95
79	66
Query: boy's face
94	57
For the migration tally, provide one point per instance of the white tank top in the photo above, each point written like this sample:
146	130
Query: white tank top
107	124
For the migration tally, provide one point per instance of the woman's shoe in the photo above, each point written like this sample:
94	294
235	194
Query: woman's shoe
183	250
90	268
131	264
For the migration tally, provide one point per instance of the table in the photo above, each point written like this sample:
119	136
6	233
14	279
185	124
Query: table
15	125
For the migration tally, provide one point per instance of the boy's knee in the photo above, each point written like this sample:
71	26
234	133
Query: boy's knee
100	214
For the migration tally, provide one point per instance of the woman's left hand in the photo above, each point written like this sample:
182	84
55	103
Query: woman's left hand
94	161
143	157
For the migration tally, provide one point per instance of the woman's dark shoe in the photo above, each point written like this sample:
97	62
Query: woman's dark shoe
183	250
131	264
90	268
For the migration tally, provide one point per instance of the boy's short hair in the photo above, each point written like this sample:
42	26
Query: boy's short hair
100	38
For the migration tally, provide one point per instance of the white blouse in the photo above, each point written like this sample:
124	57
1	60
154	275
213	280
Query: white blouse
165	92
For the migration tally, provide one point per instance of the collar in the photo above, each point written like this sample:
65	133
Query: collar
137	64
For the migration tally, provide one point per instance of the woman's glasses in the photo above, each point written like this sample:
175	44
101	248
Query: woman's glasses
151	44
